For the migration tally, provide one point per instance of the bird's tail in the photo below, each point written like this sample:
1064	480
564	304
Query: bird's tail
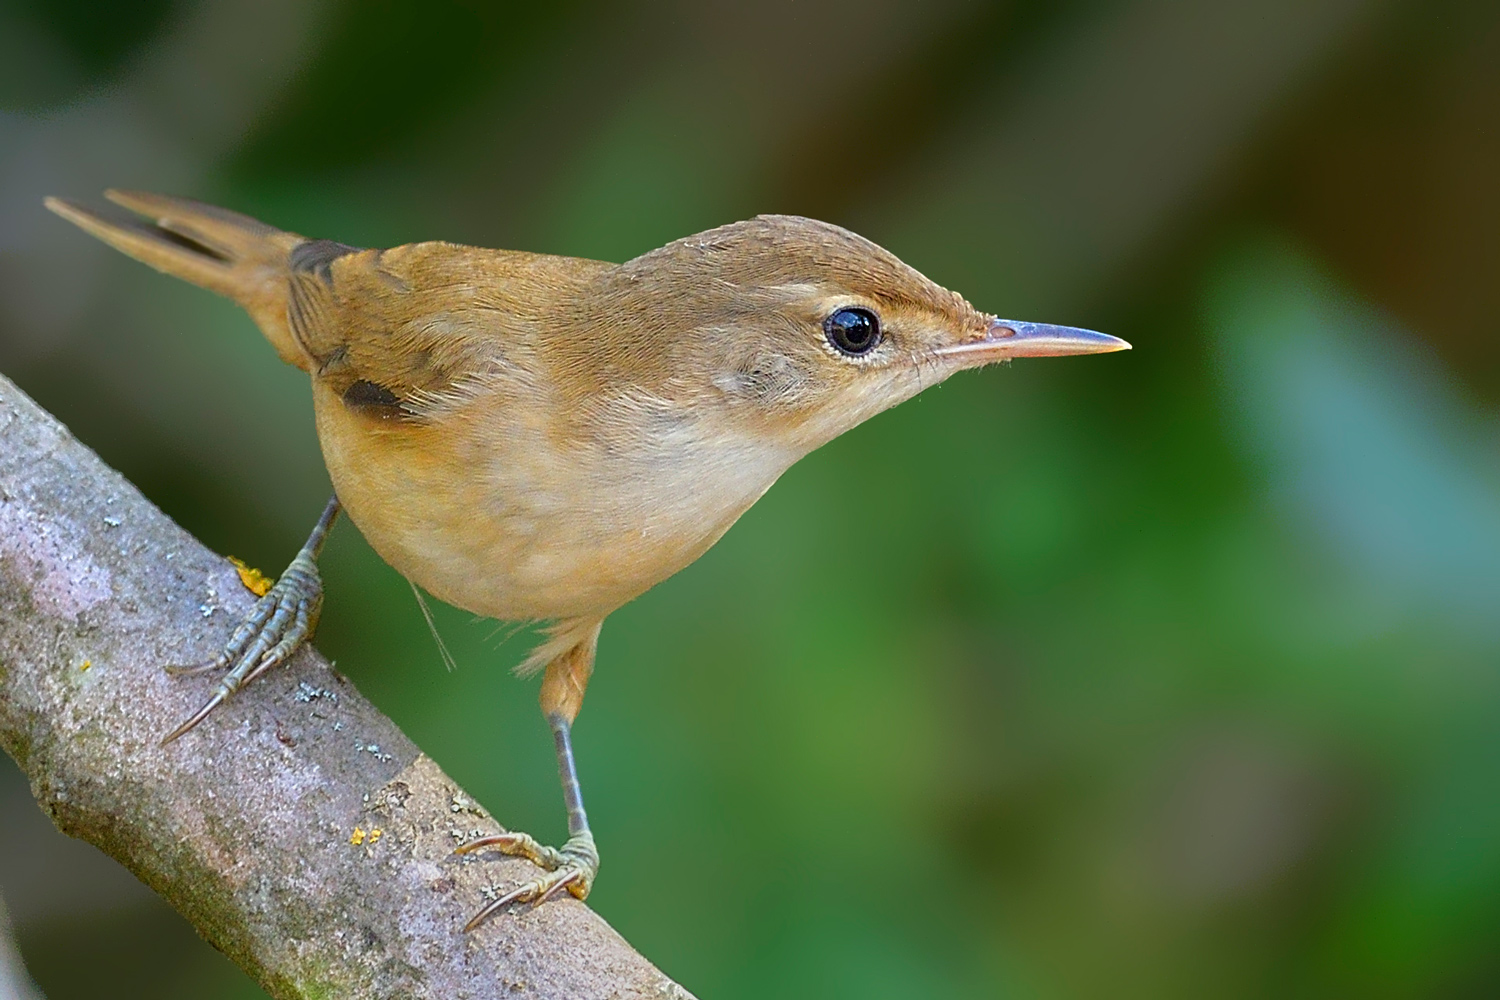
225	252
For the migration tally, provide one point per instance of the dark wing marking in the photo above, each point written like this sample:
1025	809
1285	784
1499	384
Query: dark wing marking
375	400
317	257
309	304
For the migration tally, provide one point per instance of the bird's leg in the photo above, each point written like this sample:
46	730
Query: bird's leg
278	624
574	865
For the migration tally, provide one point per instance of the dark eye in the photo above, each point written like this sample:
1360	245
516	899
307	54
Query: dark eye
853	331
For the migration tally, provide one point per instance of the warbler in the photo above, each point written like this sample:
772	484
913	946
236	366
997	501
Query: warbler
541	438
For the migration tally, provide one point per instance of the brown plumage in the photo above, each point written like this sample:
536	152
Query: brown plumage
532	437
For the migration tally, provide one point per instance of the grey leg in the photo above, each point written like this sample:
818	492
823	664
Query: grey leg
574	866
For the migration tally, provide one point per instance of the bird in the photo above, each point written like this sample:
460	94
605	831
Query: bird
539	438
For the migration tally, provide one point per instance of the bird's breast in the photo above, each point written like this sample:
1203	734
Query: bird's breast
496	514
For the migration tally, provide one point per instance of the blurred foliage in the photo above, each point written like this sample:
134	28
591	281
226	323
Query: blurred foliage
387	71
1167	674
99	37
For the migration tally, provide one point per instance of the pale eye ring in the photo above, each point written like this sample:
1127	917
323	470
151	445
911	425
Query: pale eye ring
853	330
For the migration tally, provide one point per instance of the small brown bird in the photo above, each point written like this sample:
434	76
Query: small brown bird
539	438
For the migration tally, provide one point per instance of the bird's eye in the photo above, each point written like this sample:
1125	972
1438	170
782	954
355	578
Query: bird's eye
852	331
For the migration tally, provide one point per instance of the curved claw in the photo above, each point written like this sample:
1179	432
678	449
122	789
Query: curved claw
499	840
517	844
197	717
570	878
193	670
537	891
487	912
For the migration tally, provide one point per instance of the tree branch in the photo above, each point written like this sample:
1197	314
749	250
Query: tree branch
260	827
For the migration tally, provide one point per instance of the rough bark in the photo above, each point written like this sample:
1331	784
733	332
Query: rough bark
260	826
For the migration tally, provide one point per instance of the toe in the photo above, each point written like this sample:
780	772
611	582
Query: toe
516	844
573	879
536	892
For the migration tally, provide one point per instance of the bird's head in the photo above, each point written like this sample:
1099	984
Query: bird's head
796	330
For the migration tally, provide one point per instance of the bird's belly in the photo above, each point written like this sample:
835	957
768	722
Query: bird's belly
520	533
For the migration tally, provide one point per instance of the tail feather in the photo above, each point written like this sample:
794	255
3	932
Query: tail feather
231	234
228	253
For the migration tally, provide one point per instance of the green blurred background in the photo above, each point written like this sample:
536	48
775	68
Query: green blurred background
1166	674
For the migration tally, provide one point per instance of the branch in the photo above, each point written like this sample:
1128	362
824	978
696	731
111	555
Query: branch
260	827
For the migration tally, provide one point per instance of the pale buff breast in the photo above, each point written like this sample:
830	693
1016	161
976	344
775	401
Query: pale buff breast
489	515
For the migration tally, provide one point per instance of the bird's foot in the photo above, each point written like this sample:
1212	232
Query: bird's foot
280	622
572	867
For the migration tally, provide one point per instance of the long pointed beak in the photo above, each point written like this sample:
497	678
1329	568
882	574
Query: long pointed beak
1006	339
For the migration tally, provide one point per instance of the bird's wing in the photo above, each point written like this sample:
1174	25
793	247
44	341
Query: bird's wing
414	331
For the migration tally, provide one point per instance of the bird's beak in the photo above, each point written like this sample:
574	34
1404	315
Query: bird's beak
1006	339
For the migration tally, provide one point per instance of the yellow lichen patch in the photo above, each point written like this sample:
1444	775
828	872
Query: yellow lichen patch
85	664
254	580
368	837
